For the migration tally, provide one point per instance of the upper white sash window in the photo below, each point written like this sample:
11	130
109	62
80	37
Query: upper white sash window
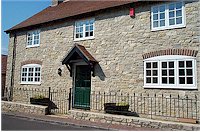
84	29
33	38
167	16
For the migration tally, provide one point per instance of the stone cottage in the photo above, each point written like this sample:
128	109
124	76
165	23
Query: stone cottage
129	47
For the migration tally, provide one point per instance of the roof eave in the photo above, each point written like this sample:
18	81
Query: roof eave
13	30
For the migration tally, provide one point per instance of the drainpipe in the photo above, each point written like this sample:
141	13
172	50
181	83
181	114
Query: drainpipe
10	89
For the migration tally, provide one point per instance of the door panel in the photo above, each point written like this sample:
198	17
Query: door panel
82	87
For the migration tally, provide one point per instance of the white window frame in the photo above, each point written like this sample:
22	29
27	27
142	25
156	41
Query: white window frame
32	36
84	30
167	26
31	66
176	59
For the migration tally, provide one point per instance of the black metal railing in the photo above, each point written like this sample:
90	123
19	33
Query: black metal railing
149	105
153	106
58	98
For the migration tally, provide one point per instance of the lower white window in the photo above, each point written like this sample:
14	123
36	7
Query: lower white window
31	74
170	71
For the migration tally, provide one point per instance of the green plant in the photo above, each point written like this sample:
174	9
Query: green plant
122	104
39	97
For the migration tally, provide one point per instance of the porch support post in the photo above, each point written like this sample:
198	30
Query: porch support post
70	70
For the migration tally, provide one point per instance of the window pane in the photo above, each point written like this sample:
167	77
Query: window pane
37	69
155	17
81	29
162	16
155	10
162	23
181	63
162	8
179	5
86	34
155	73
155	65
171	80
171	64
77	30
178	13
87	23
171	7
164	80
77	24
155	80
148	65
171	21
30	79
181	72
91	28
155	24
148	73
87	28
189	80
179	20
91	33
164	64
148	80
81	35
181	80
164	72
188	63
189	72
81	24
171	14
171	72
30	69
91	22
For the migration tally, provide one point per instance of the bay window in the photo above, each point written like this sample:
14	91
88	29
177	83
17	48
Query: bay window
170	71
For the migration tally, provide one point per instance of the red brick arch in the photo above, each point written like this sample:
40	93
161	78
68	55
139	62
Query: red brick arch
185	52
31	62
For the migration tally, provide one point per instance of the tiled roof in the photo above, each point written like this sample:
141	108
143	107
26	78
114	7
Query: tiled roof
82	52
3	64
67	9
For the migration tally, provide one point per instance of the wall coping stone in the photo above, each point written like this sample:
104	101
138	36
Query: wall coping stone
139	119
8	106
17	103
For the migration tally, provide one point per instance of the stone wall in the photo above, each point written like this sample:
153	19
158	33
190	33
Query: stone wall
23	108
119	43
132	121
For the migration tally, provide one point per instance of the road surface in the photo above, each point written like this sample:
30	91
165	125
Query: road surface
16	123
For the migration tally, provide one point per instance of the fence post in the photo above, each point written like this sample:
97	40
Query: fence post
49	103
69	99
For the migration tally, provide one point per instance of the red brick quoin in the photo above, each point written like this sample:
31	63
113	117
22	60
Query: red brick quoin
31	62
185	52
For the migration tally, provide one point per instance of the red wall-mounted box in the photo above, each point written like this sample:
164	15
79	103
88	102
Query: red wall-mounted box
132	12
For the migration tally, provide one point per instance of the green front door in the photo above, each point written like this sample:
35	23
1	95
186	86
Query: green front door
82	87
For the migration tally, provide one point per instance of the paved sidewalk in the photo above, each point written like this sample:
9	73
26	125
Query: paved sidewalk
65	120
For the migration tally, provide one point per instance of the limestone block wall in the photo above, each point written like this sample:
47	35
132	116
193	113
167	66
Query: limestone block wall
7	106
133	121
119	43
